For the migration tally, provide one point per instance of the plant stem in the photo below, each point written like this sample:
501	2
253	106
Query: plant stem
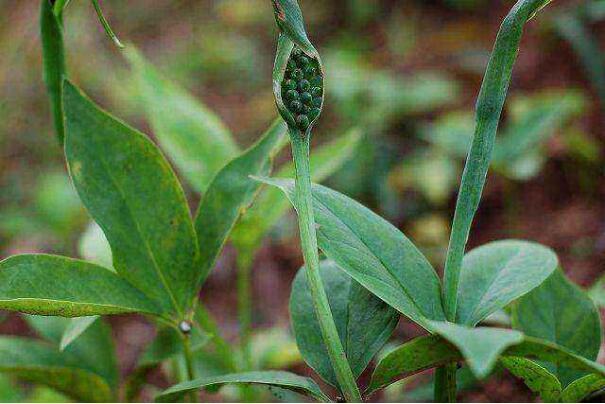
244	305
308	237
207	323
445	384
189	363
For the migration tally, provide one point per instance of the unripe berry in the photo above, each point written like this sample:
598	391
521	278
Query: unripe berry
302	121
290	85
296	106
306	98
292	95
304	85
297	74
316	101
316	91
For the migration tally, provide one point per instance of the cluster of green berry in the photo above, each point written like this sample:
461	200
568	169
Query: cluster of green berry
302	88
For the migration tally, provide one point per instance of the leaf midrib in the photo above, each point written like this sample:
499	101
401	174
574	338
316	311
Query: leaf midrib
377	257
156	267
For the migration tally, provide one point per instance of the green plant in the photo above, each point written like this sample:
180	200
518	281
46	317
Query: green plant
343	308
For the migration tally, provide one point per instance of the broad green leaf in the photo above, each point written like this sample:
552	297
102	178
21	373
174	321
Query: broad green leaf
488	110
53	58
58	286
230	193
580	388
480	347
374	253
499	272
133	194
94	350
364	322
42	363
560	312
75	328
536	377
270	205
414	356
194	138
286	380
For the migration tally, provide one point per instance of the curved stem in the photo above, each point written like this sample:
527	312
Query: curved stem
308	237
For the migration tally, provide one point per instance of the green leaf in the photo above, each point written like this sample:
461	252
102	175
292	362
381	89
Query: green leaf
58	286
290	21
579	389
286	380
560	312
133	194
536	377
480	347
42	363
497	273
230	194
94	350
364	322
75	328
194	138
374	253
270	205
489	107
419	354
53	59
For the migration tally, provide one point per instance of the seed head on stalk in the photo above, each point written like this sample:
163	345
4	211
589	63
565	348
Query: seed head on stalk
298	76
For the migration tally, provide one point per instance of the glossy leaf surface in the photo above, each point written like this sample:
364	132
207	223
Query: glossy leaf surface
58	286
364	322
374	253
133	194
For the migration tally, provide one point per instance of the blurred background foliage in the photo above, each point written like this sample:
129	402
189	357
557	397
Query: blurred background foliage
402	74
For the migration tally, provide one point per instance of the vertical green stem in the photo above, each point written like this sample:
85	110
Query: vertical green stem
244	305
189	363
445	384
308	236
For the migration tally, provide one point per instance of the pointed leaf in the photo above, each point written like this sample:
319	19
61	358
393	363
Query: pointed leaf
579	389
270	205
53	58
58	286
132	193
497	273
42	363
194	138
560	312
231	192
286	380
364	322
290	21
537	378
374	253
478	346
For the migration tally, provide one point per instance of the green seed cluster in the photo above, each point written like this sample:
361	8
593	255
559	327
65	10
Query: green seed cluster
302	88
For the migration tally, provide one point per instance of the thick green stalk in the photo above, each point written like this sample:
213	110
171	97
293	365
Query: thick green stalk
445	384
308	236
489	107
